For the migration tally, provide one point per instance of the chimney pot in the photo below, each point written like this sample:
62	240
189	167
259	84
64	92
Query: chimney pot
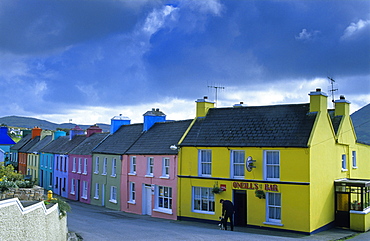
153	109
318	89
157	109
241	102
205	97
342	97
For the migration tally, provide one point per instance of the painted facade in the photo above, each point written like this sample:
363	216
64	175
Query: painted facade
5	144
295	152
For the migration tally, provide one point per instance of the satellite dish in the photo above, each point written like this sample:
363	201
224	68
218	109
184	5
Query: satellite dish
249	163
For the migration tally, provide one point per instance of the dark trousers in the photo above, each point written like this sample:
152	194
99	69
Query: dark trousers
229	216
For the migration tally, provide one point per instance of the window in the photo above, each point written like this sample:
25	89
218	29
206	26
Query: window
113	194
344	162
105	163
273	212
96	195
272	165
166	167
57	163
73	186
205	162
150	166
203	200
74	165
96	165
132	193
79	165
237	160
65	163
354	161
84	190
85	166
164	199
133	165
114	167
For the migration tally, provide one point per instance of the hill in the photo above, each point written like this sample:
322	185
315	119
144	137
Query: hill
29	122
361	122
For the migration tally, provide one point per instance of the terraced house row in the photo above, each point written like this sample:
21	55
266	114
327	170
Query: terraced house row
297	167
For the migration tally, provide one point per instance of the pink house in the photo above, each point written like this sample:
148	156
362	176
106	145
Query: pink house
80	165
149	169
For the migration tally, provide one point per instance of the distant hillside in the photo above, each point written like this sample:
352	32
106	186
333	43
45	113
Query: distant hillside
361	122
29	122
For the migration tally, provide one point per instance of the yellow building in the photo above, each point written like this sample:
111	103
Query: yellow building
288	167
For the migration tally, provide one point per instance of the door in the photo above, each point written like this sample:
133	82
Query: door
240	207
78	190
103	195
147	200
342	209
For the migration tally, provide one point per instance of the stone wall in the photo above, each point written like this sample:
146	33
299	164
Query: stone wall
34	222
25	194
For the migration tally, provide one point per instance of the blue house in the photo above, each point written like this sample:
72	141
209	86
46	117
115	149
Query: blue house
5	143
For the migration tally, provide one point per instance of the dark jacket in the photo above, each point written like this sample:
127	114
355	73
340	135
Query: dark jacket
227	207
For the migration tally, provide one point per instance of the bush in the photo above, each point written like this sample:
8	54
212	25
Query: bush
10	173
6	185
64	207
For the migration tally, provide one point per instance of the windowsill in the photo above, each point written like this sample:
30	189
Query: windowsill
354	167
85	173
96	173
344	170
164	177
78	172
204	212
131	202
72	193
104	174
113	175
113	201
131	174
366	211
96	198
84	198
149	175
163	210
274	224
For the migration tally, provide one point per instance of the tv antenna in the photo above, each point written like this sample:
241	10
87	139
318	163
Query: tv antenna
332	90
216	90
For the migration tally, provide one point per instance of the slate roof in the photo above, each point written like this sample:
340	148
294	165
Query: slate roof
158	139
86	147
21	143
41	144
259	126
63	145
335	120
30	144
121	140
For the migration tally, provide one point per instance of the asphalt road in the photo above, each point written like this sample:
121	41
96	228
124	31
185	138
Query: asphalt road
98	223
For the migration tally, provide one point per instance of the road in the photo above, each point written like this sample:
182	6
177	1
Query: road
98	223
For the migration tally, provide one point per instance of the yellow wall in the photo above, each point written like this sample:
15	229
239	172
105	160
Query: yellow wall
360	221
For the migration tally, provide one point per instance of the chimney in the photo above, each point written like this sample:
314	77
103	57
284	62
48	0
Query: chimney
93	129
36	131
75	131
45	133
203	105
58	134
318	101
241	104
117	121
342	106
151	117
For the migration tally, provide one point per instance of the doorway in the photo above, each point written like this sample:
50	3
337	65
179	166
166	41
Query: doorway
342	210
240	206
147	199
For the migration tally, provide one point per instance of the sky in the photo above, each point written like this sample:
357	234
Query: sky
86	61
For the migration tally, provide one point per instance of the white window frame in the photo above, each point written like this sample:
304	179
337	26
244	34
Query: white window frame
237	160
113	194
84	189
74	164
96	165
354	159
344	162
96	194
114	167
73	186
150	167
273	208
163	199
207	199
132	193
79	165
165	167
133	165
268	166
205	162
85	166
105	165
